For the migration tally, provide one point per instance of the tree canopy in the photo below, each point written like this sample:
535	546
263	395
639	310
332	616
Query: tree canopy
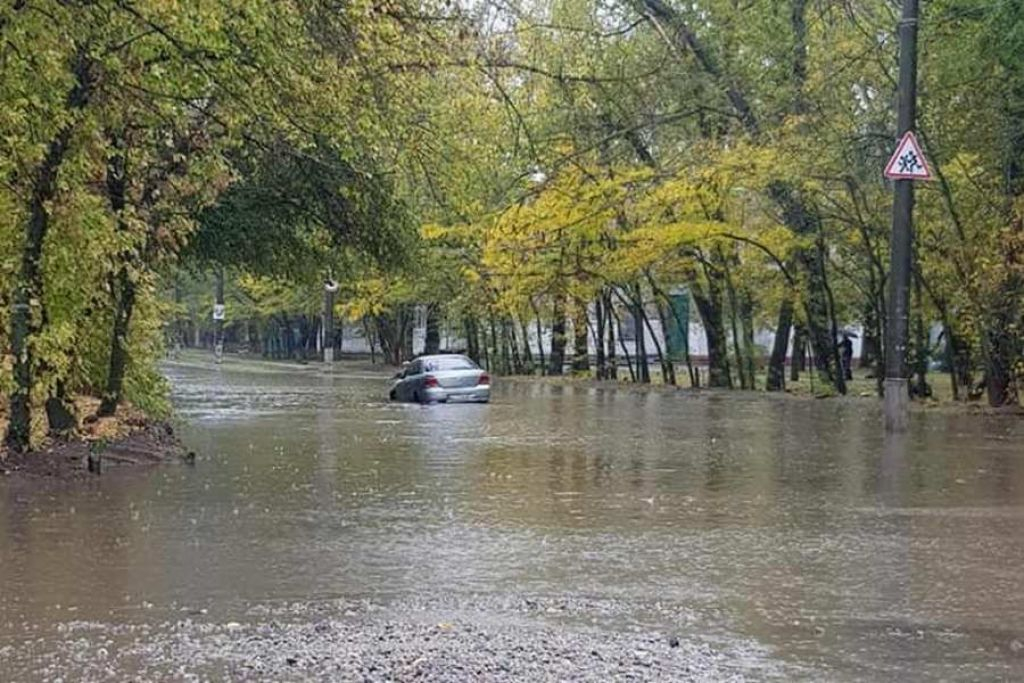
505	166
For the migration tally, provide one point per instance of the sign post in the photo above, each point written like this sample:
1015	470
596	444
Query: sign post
906	165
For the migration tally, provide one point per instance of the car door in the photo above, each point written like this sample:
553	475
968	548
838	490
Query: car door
400	384
409	384
397	381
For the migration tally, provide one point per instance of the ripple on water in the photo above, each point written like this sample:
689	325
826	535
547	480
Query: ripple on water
788	528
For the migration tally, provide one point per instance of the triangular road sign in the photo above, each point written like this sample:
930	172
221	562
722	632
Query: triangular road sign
908	162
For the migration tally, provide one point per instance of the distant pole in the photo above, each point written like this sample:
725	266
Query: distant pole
179	332
897	382
330	287
218	317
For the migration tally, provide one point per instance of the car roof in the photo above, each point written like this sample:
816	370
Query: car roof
442	355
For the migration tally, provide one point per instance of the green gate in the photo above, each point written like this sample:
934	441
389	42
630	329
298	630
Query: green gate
677	337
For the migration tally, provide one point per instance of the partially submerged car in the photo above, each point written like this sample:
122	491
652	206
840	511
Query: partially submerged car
441	378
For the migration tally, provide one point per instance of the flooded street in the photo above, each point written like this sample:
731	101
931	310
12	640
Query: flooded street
740	536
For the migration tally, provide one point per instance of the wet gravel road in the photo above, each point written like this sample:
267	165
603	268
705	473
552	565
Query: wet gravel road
409	640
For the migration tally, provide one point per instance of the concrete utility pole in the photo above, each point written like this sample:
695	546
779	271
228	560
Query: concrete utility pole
218	317
897	383
330	287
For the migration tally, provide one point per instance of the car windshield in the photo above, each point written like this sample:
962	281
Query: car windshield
452	363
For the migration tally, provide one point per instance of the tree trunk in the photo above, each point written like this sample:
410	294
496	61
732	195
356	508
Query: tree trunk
1004	342
611	364
710	310
122	289
527	351
432	342
509	329
666	353
625	351
599	338
540	339
389	331
407	320
880	332
837	361
581	350
869	347
302	336
472	345
179	328
737	344
872	347
643	369
498	348
123	309
482	344
255	336
508	348
684	328
368	334
920	387
668	370
798	359
777	364
960	362
818	316
747	322
28	291
314	338
999	375
558	340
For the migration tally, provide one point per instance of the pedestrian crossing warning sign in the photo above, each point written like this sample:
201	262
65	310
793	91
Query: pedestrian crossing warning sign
908	162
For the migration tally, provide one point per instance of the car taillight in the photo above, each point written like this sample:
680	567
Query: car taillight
485	378
430	381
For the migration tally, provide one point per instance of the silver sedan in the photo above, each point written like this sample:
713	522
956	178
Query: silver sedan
441	378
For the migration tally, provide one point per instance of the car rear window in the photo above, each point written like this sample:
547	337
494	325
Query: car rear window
453	363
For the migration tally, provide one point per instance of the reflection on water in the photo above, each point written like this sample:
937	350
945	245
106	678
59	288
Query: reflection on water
793	523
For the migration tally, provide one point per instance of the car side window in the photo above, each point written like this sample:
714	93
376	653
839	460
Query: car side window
414	369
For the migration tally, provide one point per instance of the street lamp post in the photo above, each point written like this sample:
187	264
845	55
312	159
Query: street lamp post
218	317
330	288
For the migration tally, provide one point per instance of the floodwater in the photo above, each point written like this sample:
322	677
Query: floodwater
787	529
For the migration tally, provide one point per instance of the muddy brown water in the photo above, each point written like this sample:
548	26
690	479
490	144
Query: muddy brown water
791	525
